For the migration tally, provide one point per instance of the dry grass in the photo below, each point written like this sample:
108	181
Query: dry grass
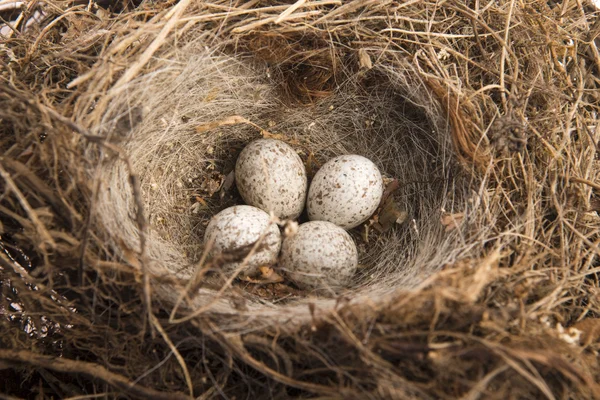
113	125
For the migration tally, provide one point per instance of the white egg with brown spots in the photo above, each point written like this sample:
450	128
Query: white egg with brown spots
233	232
270	175
345	191
320	255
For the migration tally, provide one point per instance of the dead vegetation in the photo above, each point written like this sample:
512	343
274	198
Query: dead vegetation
118	133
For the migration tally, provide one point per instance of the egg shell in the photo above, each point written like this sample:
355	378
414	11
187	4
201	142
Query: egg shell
240	226
271	176
345	191
320	255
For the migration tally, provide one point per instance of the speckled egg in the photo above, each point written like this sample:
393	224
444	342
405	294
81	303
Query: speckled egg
237	228
320	255
346	191
271	176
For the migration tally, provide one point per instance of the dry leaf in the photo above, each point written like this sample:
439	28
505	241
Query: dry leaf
233	120
195	208
590	330
389	213
311	164
389	216
227	184
274	291
200	204
364	59
212	94
267	275
201	201
389	190
452	221
279	136
212	183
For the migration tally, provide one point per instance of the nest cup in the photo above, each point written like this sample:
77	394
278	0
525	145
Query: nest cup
182	125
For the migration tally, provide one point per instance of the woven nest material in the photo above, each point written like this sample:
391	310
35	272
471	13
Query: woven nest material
478	276
181	161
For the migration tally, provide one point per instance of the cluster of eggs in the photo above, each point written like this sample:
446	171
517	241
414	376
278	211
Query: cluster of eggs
271	178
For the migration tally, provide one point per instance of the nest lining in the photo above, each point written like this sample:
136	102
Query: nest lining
384	114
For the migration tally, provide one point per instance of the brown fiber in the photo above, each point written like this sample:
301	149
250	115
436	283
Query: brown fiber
119	129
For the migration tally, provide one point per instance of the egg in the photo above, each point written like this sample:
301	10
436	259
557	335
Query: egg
345	191
271	176
235	230
320	255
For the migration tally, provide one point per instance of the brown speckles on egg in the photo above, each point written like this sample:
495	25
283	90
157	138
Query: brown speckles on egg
240	226
320	255
353	188
278	177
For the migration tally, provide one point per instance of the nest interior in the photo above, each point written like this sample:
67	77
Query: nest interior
119	131
196	110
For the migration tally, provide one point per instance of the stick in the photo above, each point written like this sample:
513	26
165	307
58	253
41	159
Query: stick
41	229
155	45
137	196
289	11
92	370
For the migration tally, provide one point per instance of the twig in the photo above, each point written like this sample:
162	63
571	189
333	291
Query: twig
345	9
237	347
36	185
93	396
227	284
186	372
199	273
16	23
503	55
154	46
265	21
137	195
41	229
86	232
585	182
290	10
92	370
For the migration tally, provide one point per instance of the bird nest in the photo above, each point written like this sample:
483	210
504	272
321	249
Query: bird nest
477	274
193	113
